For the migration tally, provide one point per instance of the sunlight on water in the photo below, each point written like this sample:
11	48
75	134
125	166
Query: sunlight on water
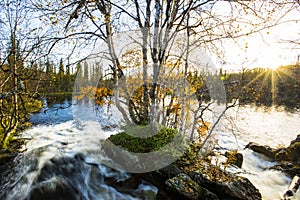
264	126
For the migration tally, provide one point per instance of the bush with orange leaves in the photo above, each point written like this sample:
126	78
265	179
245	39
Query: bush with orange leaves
102	95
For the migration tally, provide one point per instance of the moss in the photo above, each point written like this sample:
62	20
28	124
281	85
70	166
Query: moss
295	145
143	144
294	151
183	184
190	156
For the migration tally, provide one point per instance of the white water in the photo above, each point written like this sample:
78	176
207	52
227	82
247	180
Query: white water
54	142
272	127
72	136
68	139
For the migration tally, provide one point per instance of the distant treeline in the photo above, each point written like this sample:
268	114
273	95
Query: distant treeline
259	86
60	79
265	87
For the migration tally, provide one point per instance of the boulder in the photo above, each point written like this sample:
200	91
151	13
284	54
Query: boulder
294	185
183	187
294	152
234	158
296	140
173	183
55	189
238	188
131	183
159	177
288	158
239	160
265	150
282	154
288	168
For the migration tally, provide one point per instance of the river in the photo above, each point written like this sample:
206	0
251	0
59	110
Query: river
63	150
275	127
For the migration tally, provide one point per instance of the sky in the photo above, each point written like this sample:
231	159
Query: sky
264	49
267	48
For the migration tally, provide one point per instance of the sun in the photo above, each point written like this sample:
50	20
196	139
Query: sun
274	66
270	57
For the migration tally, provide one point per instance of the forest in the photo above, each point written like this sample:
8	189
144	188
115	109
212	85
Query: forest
257	86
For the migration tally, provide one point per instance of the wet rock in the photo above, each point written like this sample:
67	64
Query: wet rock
294	185
183	187
239	160
131	183
61	178
169	171
296	140
282	154
6	157
288	168
294	152
265	150
238	188
173	183
234	158
159	177
55	189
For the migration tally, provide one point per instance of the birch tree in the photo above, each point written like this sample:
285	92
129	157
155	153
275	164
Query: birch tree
163	30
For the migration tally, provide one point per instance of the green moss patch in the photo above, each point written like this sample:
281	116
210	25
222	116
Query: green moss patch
143	144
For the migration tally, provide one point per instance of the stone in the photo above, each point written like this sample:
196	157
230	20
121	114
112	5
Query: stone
288	158
56	189
294	152
294	185
296	140
238	188
131	183
183	187
169	171
282	155
239	160
265	150
234	158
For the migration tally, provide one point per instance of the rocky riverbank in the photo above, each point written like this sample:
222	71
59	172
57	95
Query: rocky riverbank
201	181
190	177
288	158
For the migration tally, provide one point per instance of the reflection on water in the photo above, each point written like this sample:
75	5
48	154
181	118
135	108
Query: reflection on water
53	114
56	109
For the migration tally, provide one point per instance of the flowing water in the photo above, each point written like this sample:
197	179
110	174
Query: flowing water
64	154
265	126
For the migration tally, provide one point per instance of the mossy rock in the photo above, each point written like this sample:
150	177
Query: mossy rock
190	156
185	188
144	144
144	154
282	155
294	152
